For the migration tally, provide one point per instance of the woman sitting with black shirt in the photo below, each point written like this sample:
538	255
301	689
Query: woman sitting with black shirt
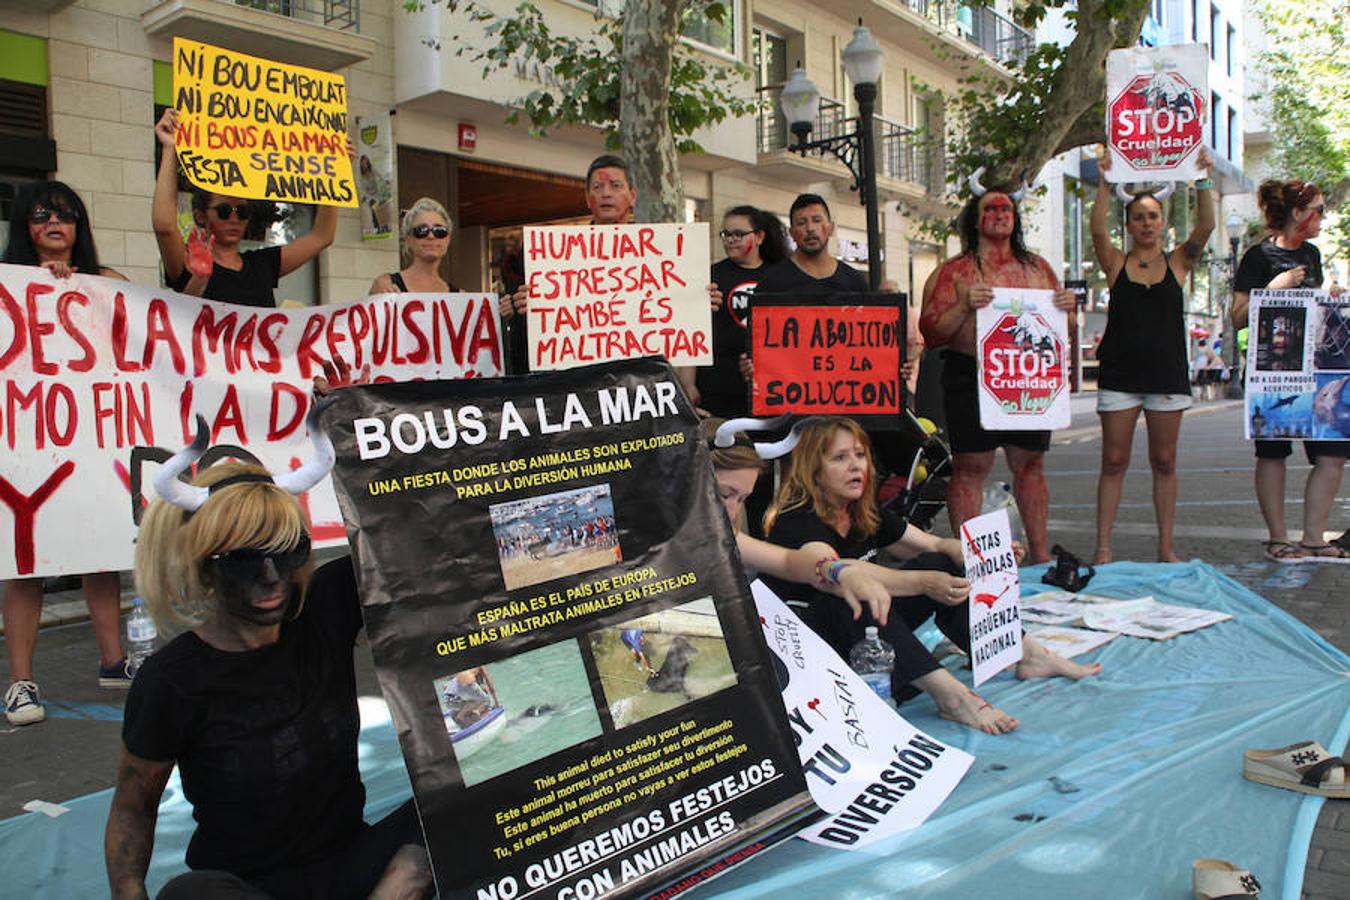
829	495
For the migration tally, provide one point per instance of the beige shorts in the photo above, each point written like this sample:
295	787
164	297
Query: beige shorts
1119	401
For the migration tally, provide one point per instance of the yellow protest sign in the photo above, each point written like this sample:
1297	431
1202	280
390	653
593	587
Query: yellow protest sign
261	130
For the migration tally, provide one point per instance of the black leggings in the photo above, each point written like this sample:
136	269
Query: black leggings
351	872
831	618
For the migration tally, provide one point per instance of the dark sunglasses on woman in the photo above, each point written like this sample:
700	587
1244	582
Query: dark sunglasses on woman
248	563
41	214
436	231
223	211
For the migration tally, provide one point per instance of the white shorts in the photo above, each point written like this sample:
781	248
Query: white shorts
1119	401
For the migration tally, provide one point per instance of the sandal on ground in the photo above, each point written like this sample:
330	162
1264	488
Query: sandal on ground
1282	552
1305	767
1324	553
1218	879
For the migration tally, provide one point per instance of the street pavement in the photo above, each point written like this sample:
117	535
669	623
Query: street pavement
75	751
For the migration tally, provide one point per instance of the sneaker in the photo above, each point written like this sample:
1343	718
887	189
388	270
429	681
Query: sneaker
23	706
116	676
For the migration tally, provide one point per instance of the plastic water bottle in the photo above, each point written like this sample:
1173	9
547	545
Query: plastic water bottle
141	636
874	660
999	495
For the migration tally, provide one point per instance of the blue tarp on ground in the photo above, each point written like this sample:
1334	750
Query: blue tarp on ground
1151	752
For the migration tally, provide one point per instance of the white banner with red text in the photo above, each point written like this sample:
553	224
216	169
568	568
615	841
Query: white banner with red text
102	380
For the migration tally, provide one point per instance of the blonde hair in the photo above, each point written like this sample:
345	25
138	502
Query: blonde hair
420	205
173	544
799	487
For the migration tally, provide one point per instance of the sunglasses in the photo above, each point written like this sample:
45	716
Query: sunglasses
223	211
40	215
249	563
1320	209
436	231
726	235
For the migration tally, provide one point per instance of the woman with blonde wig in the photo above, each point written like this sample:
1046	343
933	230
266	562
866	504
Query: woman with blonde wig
828	495
255	701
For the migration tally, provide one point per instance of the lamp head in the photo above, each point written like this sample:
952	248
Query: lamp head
863	59
800	102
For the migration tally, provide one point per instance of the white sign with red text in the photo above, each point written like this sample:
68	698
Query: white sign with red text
604	292
1023	358
870	769
991	569
1157	107
101	381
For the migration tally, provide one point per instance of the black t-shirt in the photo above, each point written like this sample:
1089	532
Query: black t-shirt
1260	265
722	390
250	286
265	739
801	525
786	276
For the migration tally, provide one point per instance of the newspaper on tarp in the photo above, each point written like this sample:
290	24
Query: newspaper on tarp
870	769
1023	357
1157	107
1298	366
991	569
606	292
564	634
103	379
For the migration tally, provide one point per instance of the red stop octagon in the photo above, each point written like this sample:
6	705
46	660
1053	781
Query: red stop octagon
1023	365
1156	121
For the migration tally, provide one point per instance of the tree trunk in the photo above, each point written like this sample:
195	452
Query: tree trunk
1071	118
650	30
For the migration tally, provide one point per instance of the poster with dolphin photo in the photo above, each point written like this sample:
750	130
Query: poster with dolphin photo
1298	366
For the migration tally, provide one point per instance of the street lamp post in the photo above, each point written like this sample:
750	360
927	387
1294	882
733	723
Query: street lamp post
800	102
1235	227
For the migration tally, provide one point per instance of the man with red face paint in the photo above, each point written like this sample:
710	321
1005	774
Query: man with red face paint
993	255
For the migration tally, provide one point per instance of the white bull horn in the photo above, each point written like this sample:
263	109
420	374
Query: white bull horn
167	484
318	465
973	182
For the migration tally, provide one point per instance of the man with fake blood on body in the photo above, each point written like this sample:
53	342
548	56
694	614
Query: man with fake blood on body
610	195
993	255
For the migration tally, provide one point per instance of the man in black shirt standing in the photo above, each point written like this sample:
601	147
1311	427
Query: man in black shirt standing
811	267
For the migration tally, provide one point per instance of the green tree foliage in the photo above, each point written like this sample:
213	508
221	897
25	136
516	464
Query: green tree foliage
1307	100
590	85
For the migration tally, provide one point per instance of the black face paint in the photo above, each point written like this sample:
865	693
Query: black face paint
244	576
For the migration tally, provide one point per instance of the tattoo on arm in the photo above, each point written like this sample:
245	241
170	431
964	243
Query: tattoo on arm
130	834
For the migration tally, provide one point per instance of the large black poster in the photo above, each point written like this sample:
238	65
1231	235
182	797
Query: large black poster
563	632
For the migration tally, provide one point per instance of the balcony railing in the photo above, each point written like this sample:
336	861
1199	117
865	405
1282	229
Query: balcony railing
343	15
902	154
980	26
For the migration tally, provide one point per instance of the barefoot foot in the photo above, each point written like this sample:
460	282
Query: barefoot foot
1040	662
972	710
1168	556
1101	556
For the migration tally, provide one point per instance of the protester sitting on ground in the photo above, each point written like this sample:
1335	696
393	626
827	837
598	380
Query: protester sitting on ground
425	241
1143	354
49	227
993	254
829	496
213	267
255	702
1287	259
610	195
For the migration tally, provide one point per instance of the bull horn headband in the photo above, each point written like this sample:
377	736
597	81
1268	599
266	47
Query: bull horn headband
191	497
726	434
979	190
1127	196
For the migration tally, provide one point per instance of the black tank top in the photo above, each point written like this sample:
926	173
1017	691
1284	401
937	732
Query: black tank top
1144	348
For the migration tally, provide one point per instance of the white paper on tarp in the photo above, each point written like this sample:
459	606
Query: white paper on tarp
874	772
1075	610
1023	357
991	569
104	379
603	292
1069	642
1155	621
1157	110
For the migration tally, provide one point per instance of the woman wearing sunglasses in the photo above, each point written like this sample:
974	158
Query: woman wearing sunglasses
426	240
211	264
255	701
50	228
